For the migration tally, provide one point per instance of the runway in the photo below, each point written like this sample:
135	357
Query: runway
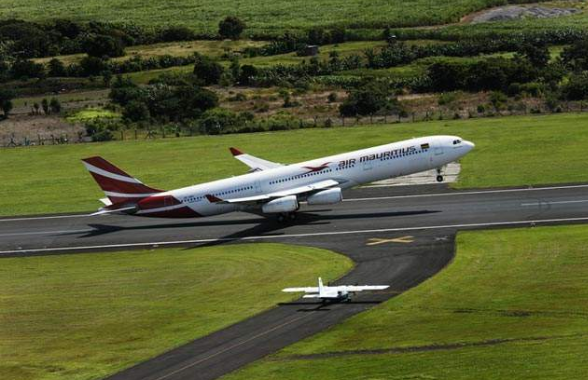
398	236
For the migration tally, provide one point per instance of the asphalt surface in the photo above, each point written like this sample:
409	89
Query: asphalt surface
397	236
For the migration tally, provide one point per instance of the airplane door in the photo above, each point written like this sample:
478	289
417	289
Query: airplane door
368	165
438	150
257	186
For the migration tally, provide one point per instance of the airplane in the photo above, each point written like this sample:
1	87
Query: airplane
333	293
271	188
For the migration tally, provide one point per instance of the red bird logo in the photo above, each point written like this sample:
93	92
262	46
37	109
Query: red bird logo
312	169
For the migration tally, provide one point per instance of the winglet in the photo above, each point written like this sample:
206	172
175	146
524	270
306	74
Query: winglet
235	151
212	199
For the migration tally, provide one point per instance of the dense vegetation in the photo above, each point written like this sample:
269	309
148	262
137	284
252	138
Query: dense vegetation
262	17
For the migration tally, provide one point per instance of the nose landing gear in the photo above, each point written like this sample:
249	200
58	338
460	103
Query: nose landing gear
439	175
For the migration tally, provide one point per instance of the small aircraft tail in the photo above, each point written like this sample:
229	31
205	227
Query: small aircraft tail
119	187
320	286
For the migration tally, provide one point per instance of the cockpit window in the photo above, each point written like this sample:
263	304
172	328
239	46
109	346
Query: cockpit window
455	142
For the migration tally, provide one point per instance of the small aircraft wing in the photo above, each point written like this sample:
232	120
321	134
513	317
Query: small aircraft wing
359	288
301	290
255	163
321	185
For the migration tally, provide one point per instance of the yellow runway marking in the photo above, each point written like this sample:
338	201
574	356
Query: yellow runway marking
403	239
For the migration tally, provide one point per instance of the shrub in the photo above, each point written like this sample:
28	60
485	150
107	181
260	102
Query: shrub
219	121
101	46
206	70
231	27
6	97
55	105
577	87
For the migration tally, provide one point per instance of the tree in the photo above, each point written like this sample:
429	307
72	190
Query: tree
206	70
56	68
447	76
100	46
498	99
575	56
93	66
136	111
577	87
45	106
24	68
217	121
365	100
55	105
182	102
231	27
247	74
6	97
124	91
536	53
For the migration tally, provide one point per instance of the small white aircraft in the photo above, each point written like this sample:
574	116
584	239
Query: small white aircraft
333	293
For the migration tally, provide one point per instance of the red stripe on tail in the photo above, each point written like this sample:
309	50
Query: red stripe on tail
114	180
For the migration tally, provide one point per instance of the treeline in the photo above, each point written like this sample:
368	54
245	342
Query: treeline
25	39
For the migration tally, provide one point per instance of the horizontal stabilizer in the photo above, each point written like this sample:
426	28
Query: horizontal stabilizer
105	211
255	163
304	290
106	201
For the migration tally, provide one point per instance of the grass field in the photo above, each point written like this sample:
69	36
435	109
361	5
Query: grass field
511	305
260	15
88	114
212	49
85	316
509	151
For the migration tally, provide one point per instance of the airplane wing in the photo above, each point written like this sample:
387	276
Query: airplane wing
301	290
255	163
321	185
359	288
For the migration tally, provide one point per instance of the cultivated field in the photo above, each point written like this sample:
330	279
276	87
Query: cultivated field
86	316
511	305
214	49
262	15
509	151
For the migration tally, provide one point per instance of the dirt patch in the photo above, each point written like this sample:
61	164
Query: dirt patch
517	12
34	130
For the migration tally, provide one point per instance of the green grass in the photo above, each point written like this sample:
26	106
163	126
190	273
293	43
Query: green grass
88	114
269	16
72	97
526	285
344	49
86	316
509	151
213	49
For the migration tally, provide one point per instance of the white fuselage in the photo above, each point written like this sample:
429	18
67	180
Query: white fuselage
348	169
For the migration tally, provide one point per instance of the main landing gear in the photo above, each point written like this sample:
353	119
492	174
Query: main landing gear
439	175
286	217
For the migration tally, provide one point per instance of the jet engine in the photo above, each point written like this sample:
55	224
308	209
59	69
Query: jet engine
280	205
325	197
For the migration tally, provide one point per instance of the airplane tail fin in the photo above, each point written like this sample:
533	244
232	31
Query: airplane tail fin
118	186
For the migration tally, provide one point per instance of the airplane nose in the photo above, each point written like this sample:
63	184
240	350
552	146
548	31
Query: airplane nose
470	145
